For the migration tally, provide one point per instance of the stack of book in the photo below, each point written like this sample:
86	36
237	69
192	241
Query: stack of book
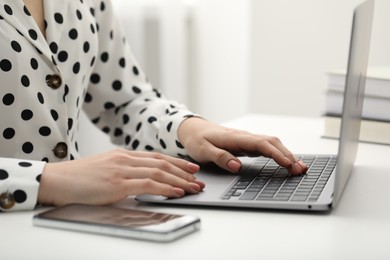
375	126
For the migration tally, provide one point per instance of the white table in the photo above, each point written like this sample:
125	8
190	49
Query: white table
358	229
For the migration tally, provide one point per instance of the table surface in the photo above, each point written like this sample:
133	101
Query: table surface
359	228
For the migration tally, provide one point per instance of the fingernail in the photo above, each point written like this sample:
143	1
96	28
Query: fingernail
234	166
304	167
193	167
200	183
195	187
179	192
302	164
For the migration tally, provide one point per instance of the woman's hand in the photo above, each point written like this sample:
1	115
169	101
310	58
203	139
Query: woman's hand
113	176
208	142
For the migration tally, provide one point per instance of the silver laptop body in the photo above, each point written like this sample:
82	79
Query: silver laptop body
320	191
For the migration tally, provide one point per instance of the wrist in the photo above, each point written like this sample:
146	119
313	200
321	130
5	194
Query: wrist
188	128
45	196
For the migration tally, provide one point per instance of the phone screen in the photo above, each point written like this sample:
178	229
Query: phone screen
118	221
109	216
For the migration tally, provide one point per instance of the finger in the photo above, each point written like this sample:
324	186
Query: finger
221	157
163	177
286	152
201	184
261	145
241	142
294	167
272	147
180	163
149	186
269	150
298	168
163	165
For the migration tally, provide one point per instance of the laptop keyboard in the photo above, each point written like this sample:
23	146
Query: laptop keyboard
266	180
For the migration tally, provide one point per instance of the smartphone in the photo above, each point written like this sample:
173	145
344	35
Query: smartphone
122	222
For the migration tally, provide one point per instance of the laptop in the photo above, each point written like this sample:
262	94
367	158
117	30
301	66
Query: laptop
263	184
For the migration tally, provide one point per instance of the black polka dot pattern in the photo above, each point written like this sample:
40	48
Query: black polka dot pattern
45	83
26	170
5	65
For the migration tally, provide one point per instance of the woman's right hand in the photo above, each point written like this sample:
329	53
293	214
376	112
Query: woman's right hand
113	176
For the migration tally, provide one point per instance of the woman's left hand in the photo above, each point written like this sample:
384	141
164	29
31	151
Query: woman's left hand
208	142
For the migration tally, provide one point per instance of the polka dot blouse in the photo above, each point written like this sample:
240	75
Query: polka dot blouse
84	63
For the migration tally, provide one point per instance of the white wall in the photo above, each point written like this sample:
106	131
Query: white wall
296	42
380	54
220	58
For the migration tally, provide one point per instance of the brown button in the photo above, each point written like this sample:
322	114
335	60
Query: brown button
54	81
60	150
7	200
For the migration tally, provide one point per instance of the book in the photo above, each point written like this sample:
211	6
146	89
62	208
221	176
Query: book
371	131
377	83
376	108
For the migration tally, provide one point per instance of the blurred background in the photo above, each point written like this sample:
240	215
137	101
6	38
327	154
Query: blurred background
227	58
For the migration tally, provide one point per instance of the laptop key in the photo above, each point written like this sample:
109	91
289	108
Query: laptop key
299	198
249	195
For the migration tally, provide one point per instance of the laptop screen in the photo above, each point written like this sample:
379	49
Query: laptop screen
354	93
